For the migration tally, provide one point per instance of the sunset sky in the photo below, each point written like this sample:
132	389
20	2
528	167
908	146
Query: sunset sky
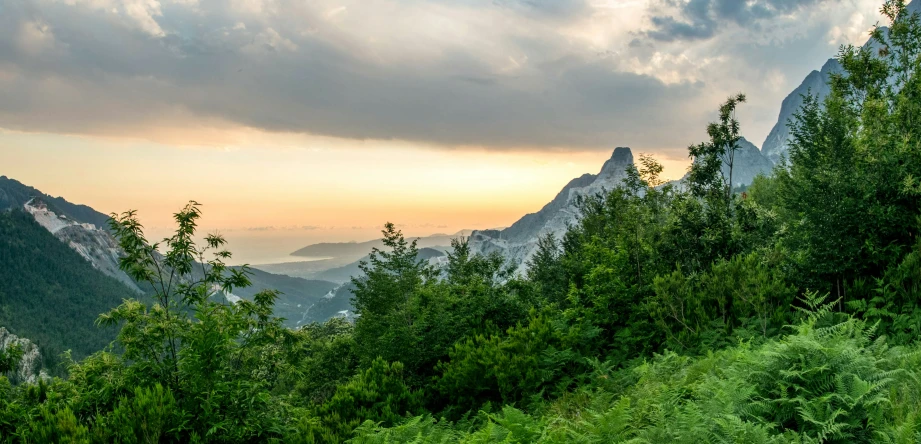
303	121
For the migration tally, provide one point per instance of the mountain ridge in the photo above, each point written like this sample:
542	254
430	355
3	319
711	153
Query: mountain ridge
518	242
15	194
777	142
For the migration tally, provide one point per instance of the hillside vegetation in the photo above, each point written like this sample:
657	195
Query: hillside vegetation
682	313
50	294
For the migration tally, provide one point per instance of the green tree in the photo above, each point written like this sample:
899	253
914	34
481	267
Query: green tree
379	394
210	365
384	300
850	188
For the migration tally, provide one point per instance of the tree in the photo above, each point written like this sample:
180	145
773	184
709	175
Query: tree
546	270
707	177
205	366
378	394
384	300
851	188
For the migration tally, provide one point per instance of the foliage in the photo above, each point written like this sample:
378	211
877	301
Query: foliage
670	312
379	395
541	356
38	271
851	183
827	381
9	358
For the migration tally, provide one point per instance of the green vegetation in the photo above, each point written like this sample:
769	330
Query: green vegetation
50	294
13	195
670	313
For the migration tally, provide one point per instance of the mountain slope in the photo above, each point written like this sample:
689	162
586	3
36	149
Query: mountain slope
82	228
777	142
344	274
50	294
74	226
336	303
95	244
296	294
15	194
749	163
518	242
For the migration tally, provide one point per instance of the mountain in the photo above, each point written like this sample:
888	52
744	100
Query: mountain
343	257
297	294
749	163
336	303
95	244
49	293
519	241
777	142
15	194
78	226
345	273
354	251
53	299
336	300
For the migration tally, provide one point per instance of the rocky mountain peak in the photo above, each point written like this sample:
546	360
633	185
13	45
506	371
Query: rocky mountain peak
619	161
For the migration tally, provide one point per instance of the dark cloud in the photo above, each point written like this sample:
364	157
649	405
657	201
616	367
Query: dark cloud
700	19
97	72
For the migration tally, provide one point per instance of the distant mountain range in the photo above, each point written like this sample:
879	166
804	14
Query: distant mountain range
353	251
345	273
344	256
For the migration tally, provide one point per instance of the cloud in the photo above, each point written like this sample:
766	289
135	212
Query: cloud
439	73
701	19
497	74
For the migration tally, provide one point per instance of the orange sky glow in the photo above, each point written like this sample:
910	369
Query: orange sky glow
284	188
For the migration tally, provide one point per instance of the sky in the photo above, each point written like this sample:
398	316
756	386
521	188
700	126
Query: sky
319	120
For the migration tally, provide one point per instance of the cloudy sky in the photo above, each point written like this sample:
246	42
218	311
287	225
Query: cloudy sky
332	116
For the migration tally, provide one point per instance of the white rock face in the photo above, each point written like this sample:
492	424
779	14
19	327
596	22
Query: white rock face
518	243
95	245
29	369
777	143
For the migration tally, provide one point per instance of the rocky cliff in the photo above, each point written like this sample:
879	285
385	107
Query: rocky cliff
96	245
816	83
777	143
30	365
749	162
519	242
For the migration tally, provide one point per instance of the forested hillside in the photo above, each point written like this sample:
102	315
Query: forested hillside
681	313
14	194
50	294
